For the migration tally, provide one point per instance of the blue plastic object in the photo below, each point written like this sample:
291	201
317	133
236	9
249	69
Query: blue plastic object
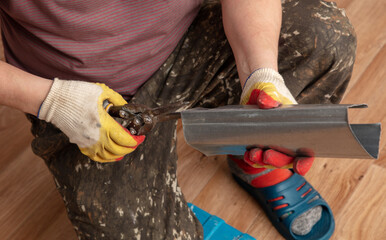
299	200
217	229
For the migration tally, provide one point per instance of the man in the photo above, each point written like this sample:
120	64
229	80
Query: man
119	186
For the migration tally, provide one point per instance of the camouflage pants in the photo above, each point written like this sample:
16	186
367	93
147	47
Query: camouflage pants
139	197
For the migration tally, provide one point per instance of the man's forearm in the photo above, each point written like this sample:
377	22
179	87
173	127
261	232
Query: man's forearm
21	90
252	28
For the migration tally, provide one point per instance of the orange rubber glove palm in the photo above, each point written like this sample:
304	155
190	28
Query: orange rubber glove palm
265	88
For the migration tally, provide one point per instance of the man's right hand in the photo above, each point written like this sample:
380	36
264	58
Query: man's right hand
76	108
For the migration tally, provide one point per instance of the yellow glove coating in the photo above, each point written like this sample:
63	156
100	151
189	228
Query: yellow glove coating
76	108
270	89
114	141
263	83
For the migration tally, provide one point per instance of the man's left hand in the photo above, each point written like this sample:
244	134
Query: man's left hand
265	88
270	158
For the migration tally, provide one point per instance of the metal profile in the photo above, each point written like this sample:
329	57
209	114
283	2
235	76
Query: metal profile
321	128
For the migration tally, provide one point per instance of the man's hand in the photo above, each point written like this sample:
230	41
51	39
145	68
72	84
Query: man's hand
266	88
270	158
76	108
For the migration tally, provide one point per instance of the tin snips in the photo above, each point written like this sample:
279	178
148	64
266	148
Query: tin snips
140	119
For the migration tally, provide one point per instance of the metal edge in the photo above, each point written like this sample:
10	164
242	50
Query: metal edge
357	130
361	105
368	136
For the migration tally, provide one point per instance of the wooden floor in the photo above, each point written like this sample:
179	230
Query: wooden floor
30	207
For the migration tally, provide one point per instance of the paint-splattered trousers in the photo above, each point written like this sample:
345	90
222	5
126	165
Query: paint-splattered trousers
139	197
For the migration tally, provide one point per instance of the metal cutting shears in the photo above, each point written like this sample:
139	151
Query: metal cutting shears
140	119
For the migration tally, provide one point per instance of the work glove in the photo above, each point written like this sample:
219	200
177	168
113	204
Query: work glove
265	88
76	108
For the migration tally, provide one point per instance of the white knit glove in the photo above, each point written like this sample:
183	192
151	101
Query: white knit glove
265	87
76	108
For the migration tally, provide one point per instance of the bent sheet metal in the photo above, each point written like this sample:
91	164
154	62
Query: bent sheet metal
324	129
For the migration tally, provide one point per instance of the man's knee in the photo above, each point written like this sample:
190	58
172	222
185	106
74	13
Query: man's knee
335	30
317	27
317	45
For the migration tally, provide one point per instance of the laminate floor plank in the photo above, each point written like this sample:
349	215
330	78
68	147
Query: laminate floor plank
59	229
14	134
363	217
35	225
194	169
225	199
25	183
368	18
382	159
370	89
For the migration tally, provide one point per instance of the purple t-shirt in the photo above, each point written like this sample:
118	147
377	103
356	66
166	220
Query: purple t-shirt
118	42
